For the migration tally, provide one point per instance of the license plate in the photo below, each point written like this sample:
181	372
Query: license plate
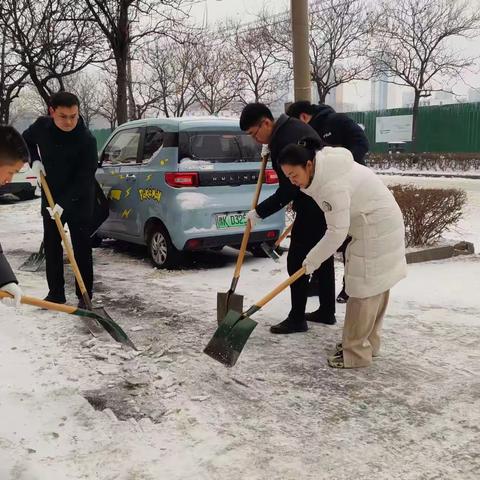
231	220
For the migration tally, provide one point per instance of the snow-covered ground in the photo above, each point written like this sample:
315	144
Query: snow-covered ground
170	412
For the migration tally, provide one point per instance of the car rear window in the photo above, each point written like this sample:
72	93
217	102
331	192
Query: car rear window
219	147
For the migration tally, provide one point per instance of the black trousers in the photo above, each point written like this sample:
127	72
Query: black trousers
82	248
308	229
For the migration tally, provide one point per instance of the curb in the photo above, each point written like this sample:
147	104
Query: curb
440	253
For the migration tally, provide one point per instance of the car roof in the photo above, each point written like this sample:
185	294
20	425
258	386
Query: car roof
187	123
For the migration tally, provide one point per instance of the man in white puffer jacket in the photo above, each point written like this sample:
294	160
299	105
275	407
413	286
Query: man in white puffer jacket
356	203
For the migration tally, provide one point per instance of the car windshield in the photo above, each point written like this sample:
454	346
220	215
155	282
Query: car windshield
219	147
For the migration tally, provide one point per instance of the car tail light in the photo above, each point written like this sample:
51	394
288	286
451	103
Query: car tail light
179	180
271	176
272	234
193	244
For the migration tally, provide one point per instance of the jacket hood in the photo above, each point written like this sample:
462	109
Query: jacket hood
322	111
331	163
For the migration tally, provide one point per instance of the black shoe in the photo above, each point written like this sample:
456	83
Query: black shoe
318	317
55	299
289	326
342	296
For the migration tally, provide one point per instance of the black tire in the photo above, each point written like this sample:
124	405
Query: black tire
257	251
160	248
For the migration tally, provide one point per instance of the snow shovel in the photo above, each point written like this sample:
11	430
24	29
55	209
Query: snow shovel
231	300
34	262
115	331
272	251
232	334
90	322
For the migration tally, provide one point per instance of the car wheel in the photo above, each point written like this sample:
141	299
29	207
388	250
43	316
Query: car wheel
257	250
160	248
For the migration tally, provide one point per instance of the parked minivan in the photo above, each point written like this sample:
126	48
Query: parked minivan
183	184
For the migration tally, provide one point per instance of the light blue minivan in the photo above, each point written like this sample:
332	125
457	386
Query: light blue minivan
183	184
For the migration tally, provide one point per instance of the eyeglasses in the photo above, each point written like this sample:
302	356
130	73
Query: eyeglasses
254	134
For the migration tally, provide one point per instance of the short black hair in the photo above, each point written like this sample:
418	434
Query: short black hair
302	106
63	99
13	148
252	114
300	153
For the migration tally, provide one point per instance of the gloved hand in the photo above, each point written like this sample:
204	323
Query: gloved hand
56	209
16	291
310	263
253	217
38	168
265	150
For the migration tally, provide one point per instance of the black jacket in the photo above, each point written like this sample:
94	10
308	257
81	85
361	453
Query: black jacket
6	273
70	160
339	130
287	130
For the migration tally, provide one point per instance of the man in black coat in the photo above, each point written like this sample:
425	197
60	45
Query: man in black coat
339	130
13	156
257	120
63	148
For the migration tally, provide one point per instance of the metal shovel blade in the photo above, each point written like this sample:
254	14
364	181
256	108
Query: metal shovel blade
228	301
34	262
270	251
230	337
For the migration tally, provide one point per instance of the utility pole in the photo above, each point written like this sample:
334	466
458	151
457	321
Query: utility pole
301	57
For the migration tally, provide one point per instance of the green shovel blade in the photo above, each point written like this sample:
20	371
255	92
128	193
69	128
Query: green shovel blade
115	331
230	337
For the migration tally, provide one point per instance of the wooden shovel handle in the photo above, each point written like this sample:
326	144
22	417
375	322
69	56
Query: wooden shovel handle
284	235
37	302
66	242
280	288
248	227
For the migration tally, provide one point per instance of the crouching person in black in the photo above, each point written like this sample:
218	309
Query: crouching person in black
65	151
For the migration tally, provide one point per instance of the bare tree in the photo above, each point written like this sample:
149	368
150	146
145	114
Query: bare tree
258	65
413	44
12	74
51	40
173	68
339	42
86	87
107	105
216	81
124	24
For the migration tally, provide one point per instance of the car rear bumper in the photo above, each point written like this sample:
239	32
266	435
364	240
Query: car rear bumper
233	240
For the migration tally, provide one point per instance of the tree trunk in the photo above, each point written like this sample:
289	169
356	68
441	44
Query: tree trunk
122	114
4	111
416	104
121	58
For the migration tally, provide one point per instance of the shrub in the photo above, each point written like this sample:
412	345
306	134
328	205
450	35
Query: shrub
441	162
428	212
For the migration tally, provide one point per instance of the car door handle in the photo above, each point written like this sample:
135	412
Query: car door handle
130	176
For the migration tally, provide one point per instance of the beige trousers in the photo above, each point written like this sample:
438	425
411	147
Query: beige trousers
361	330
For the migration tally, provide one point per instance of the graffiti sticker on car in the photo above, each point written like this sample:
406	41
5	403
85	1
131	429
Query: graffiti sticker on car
149	194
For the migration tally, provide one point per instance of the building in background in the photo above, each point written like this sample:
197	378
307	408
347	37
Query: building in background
379	93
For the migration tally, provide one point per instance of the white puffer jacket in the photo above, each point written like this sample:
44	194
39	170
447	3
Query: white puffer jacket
357	203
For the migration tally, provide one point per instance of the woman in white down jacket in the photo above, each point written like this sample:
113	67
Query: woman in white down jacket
356	203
